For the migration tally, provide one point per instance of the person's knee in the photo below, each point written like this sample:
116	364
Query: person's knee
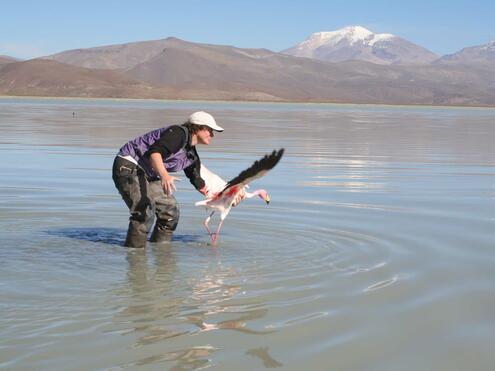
142	215
149	219
143	218
168	217
172	218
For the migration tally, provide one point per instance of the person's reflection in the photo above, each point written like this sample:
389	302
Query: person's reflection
137	274
155	299
151	294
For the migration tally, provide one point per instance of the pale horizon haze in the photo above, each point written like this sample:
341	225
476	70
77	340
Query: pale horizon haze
31	29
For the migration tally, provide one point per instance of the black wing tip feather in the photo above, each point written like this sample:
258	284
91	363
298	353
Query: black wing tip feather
266	163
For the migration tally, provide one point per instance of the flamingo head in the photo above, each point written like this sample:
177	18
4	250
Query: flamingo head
263	195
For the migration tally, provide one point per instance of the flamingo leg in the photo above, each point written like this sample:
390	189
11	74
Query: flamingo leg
215	236
207	220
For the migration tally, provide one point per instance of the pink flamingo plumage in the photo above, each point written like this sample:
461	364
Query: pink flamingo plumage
223	201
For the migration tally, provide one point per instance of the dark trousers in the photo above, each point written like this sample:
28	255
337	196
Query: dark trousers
145	199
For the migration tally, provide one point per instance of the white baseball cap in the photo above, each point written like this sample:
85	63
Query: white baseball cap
204	118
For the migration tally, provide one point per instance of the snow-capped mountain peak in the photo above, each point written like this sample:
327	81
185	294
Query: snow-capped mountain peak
357	42
350	35
490	46
377	37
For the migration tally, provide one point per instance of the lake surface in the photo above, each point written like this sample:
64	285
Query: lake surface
377	251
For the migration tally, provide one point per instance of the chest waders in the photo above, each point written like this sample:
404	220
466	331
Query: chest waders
142	191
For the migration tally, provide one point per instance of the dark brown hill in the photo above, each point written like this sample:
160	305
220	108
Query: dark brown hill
4	59
40	77
113	57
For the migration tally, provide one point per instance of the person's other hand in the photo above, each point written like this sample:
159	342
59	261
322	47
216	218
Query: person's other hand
168	184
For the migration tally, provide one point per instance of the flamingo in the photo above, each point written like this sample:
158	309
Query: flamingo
223	200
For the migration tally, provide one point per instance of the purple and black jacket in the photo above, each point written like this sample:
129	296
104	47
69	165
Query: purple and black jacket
176	149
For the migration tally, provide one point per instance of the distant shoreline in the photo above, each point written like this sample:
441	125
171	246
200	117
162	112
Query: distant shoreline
220	101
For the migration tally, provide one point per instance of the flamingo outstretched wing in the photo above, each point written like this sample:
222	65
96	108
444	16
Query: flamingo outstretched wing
256	170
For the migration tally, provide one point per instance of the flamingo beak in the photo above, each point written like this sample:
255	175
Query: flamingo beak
267	199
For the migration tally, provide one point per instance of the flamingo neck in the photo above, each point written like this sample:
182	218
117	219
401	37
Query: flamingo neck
257	192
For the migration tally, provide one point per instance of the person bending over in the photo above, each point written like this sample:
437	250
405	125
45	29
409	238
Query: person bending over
142	173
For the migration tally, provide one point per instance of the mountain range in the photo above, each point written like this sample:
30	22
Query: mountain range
348	65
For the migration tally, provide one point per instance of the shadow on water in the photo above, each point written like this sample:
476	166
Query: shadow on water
110	236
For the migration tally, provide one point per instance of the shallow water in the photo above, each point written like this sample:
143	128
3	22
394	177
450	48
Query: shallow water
377	251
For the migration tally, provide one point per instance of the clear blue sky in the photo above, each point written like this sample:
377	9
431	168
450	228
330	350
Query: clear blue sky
35	28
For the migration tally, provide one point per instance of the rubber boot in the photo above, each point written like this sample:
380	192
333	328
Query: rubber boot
161	234
135	239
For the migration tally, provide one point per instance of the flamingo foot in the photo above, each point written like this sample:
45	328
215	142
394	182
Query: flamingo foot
213	239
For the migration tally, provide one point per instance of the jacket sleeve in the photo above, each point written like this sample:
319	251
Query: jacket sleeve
193	173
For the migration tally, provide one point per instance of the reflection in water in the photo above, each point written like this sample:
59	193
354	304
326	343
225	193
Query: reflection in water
157	309
238	324
151	303
262	353
348	186
212	294
149	296
186	359
382	284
